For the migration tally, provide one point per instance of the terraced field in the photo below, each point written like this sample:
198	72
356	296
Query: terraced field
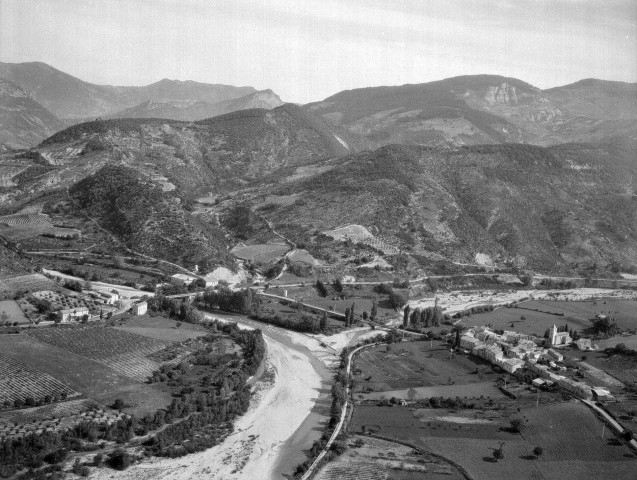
126	353
18	382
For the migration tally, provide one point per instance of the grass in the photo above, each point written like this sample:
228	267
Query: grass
370	458
264	253
12	309
417	364
160	328
576	314
569	433
361	295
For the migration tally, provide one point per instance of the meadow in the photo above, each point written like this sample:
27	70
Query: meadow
568	432
417	364
369	458
534	317
13	311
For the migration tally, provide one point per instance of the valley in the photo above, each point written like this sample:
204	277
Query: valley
434	280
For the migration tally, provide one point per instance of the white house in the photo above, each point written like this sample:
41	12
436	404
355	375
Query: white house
182	279
140	308
109	298
71	313
555	354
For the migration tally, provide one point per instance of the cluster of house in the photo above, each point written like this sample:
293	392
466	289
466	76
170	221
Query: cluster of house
512	351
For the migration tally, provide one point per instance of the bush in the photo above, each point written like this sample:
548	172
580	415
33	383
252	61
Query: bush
120	460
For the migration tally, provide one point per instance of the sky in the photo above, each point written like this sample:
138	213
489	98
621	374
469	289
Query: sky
306	50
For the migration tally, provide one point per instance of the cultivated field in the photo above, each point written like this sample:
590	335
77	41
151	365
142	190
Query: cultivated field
26	283
96	380
19	382
71	301
160	328
13	311
369	458
126	353
264	253
25	225
416	364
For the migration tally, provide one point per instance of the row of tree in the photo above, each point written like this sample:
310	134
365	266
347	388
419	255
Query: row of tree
425	318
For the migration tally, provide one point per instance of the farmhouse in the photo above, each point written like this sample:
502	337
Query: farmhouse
71	313
182	279
600	393
108	298
140	308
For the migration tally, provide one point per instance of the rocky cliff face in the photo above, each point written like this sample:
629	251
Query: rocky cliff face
23	121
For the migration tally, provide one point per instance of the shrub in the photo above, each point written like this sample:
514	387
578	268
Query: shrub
120	460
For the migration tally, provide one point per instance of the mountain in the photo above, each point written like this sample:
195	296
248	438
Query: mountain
550	209
477	109
188	110
68	97
599	99
139	178
23	121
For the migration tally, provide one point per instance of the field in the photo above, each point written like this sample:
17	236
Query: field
361	295
19	382
25	225
60	301
369	458
95	380
576	314
126	353
417	364
262	253
34	282
160	328
569	434
13	311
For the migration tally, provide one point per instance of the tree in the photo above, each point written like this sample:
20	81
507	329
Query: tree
517	424
406	317
118	404
538	451
498	453
397	299
321	288
323	324
338	285
347	317
374	312
411	393
120	460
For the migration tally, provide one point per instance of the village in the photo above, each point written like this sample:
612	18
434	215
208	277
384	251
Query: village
513	351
